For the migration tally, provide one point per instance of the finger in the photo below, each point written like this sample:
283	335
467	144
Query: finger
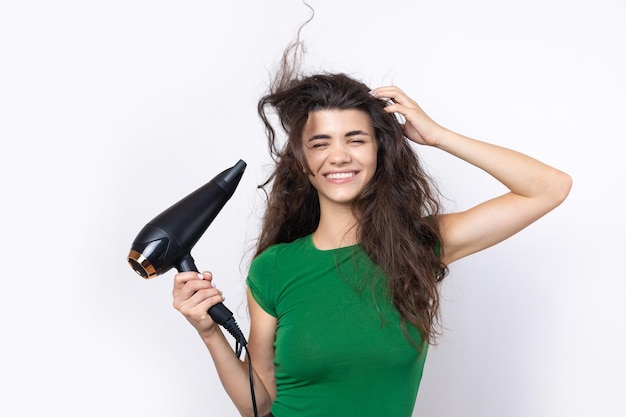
206	275
201	310
388	92
197	306
185	284
213	294
187	301
182	278
400	109
394	95
387	89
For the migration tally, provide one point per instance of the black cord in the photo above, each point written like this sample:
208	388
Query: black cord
238	347
256	413
240	343
225	318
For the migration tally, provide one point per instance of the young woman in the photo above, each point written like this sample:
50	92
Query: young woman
343	290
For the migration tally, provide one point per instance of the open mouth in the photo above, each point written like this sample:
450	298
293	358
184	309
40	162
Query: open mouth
340	175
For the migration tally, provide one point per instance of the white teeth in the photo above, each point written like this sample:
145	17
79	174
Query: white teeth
340	175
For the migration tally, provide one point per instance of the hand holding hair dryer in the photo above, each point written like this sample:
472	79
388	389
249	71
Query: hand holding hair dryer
166	241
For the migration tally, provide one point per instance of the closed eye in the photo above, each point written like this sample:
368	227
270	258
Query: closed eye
357	136
318	145
318	141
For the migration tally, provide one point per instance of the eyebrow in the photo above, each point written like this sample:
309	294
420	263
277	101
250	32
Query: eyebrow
356	133
347	135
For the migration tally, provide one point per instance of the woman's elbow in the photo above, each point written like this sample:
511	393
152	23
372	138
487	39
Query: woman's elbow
561	187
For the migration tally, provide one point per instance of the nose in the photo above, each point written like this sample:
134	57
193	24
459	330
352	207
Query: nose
339	154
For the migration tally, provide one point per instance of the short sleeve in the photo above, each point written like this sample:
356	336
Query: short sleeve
261	281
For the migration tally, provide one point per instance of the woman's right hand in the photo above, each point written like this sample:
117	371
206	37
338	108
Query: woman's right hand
194	294
419	127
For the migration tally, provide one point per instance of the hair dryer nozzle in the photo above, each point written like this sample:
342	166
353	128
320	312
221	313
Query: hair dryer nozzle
166	241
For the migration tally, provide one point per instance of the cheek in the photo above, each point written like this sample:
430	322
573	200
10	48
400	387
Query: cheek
312	160
373	163
371	157
314	183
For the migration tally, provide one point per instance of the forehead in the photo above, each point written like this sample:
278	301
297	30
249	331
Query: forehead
338	120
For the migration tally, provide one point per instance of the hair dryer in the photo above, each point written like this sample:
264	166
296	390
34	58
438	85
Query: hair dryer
166	241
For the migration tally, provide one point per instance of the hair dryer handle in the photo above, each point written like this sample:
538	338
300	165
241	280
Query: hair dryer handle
219	312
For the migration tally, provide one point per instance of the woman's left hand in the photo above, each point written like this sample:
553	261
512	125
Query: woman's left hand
419	127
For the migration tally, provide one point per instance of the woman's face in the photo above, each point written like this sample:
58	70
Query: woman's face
341	151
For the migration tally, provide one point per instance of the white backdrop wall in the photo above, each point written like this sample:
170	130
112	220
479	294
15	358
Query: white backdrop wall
112	111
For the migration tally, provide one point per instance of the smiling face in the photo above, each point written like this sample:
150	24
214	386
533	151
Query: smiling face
341	151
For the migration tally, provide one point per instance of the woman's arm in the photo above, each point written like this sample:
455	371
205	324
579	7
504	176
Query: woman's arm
193	297
535	188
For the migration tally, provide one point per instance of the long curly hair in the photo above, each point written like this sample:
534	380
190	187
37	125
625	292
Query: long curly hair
396	211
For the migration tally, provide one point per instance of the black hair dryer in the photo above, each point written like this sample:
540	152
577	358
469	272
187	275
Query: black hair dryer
166	241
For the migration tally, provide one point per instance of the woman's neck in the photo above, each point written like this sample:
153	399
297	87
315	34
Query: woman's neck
336	229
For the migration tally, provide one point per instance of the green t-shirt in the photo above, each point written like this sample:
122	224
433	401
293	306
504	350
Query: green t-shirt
339	348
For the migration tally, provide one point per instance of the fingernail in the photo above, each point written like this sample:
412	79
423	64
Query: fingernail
213	284
373	93
200	276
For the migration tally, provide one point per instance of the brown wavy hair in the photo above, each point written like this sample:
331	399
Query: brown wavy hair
396	211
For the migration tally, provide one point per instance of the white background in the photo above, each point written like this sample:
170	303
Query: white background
111	111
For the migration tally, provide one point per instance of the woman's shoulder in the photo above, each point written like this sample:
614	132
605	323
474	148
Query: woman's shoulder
278	258
284	249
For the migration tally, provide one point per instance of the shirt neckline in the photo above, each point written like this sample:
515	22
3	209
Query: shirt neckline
309	240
